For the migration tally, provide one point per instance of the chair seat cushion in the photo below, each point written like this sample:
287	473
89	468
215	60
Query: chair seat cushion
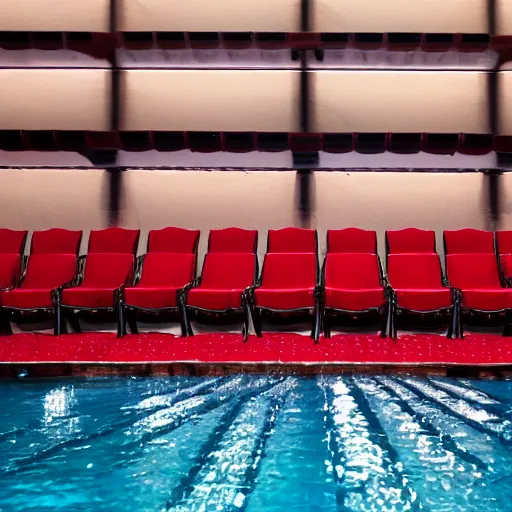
487	299
28	298
285	299
90	298
150	298
424	299
354	299
215	299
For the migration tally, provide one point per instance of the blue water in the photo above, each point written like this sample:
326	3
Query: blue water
256	444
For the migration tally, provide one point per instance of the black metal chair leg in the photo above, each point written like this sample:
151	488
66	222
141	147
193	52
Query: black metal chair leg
256	321
121	321
327	326
245	327
394	322
190	331
57	326
386	321
315	331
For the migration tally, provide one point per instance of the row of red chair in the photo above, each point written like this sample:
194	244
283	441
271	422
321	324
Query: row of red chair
244	142
103	45
352	282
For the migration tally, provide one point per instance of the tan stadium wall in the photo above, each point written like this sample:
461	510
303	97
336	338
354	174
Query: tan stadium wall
467	16
400	101
252	100
54	99
201	15
55	15
210	100
74	199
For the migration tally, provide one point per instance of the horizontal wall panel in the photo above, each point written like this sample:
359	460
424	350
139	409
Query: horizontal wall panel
51	99
208	16
55	15
505	102
400	101
210	100
504	17
467	16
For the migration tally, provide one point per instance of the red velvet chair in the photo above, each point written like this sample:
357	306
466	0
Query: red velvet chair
419	288
114	240
221	288
232	240
10	270
12	242
292	240
56	241
289	283
159	280
468	240
173	240
38	286
477	278
354	286
410	240
352	240
504	250
101	281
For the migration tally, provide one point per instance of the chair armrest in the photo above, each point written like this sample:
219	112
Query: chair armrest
139	263
181	294
249	291
456	295
389	293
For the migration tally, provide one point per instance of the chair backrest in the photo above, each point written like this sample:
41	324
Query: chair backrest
229	270
352	240
49	270
422	270
167	269
410	240
56	241
114	240
107	269
10	265
468	240
468	271
289	270
12	242
352	271
504	242
292	240
173	239
233	240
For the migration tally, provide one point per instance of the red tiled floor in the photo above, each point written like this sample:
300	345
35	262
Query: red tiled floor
273	347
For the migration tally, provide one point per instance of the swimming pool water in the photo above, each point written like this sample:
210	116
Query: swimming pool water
252	443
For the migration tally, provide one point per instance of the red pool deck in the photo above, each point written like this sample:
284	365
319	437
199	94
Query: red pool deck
272	351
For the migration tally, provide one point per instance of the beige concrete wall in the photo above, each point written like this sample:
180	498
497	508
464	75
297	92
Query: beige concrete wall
251	100
54	99
218	16
400	16
40	199
255	15
400	101
210	100
504	17
55	15
46	198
